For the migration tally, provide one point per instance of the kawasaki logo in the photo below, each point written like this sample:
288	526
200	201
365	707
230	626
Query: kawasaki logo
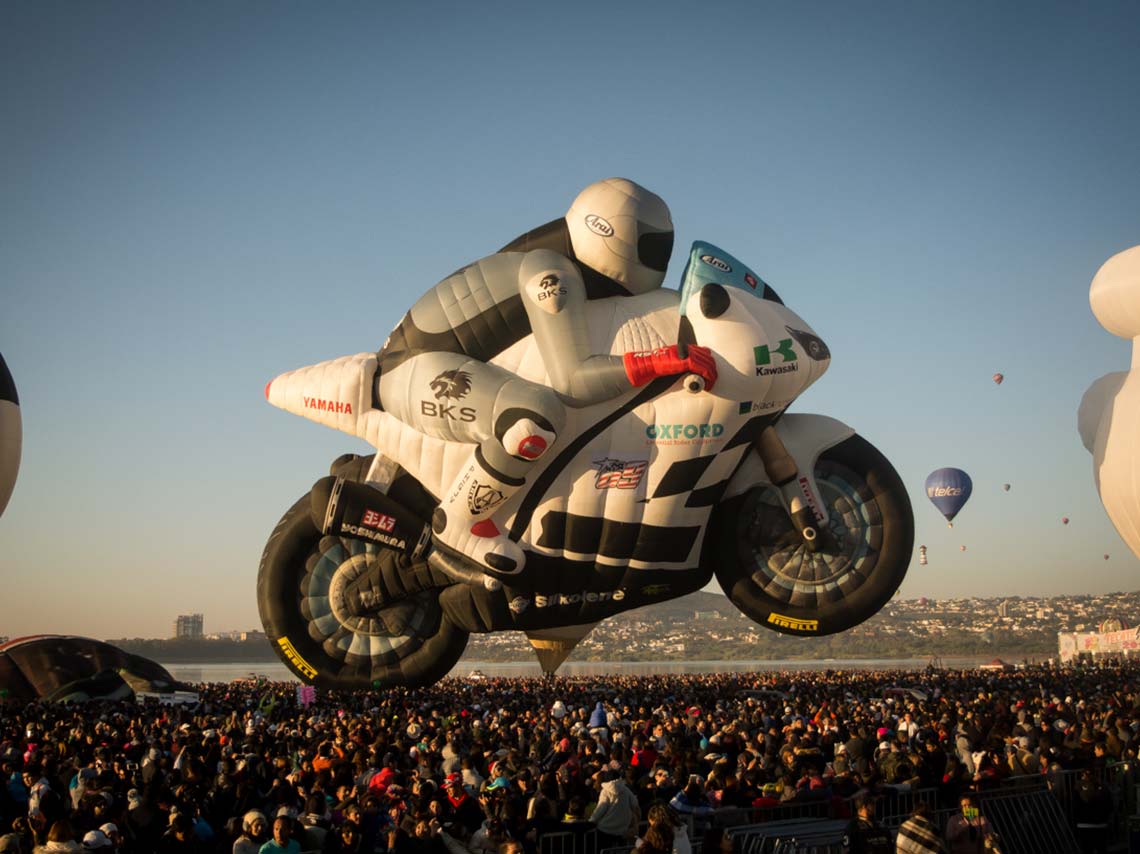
779	369
786	351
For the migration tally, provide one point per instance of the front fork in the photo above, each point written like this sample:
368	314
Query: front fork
803	505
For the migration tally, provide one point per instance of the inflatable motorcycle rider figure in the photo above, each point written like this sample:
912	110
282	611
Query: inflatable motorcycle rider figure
434	374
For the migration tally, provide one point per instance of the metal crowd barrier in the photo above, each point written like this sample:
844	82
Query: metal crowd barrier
782	836
567	842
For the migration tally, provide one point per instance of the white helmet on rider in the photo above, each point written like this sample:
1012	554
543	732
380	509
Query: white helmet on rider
623	231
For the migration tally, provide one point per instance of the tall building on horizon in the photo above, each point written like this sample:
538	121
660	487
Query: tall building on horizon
188	627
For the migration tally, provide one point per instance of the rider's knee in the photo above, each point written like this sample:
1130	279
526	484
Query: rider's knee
524	433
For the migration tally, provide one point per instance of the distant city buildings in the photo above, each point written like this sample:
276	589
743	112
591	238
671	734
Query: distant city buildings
188	627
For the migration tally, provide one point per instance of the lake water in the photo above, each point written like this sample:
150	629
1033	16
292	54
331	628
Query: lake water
216	672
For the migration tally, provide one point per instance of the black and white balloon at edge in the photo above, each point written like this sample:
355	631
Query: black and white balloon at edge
10	434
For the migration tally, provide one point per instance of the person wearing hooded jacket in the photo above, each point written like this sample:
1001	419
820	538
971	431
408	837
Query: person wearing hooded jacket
598	719
617	813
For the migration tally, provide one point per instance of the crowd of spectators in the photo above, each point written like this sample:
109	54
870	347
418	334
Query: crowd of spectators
497	764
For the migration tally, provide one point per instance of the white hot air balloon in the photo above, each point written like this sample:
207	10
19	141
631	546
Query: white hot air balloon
1108	419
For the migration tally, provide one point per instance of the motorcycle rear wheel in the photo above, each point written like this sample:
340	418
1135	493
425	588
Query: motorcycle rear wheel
768	572
330	609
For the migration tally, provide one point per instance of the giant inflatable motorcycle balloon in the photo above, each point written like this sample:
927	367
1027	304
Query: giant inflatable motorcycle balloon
644	498
1108	419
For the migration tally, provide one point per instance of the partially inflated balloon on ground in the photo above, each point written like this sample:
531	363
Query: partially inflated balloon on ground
10	434
1108	419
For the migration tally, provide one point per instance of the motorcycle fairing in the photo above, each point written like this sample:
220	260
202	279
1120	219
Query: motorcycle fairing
805	436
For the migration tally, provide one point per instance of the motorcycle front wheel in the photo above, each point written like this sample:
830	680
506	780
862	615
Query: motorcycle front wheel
768	572
339	613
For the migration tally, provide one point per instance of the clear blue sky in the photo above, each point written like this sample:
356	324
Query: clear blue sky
197	196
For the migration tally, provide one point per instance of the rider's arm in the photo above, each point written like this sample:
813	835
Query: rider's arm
555	300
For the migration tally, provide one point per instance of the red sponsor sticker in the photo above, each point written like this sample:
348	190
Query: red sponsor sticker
378	521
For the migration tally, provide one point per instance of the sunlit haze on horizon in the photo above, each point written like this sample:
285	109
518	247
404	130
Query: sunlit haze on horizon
199	196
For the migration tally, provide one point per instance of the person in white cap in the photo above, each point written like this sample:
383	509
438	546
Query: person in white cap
254	833
111	831
95	840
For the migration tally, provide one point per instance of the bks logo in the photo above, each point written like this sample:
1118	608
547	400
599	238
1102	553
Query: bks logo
550	287
483	497
811	343
619	474
787	354
449	385
379	521
454	385
713	261
598	225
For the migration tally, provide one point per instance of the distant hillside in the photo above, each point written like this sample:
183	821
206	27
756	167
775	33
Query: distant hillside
1015	627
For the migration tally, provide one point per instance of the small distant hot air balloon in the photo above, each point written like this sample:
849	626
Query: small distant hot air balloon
922	555
949	489
1064	520
998	378
1005	487
1106	557
963	548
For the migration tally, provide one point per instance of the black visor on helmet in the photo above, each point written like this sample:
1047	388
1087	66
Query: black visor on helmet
654	249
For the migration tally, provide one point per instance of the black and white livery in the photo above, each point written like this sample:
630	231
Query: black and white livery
646	487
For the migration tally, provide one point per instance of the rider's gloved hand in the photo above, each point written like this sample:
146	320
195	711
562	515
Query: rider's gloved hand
666	362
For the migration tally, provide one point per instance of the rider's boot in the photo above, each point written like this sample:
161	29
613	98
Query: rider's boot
464	521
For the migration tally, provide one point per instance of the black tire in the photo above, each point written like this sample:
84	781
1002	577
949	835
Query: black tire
768	573
361	642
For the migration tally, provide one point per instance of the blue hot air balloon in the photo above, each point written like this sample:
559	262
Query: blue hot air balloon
949	490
